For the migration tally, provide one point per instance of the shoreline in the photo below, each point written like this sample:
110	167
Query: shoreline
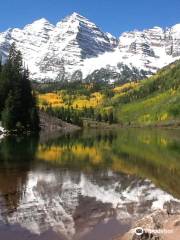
64	127
92	124
48	125
159	225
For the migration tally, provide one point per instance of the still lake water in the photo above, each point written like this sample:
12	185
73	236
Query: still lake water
89	185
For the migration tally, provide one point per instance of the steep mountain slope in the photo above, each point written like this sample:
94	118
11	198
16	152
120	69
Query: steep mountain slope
32	41
147	50
56	52
50	51
155	101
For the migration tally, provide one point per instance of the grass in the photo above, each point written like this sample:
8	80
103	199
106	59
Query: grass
157	108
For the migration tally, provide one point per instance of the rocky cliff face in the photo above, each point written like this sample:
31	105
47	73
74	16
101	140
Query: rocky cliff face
154	48
56	52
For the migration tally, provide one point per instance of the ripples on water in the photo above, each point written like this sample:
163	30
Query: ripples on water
88	185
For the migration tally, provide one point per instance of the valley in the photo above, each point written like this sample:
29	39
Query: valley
150	102
89	131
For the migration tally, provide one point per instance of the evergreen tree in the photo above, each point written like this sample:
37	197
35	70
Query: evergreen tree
105	117
111	118
8	114
17	101
99	117
0	64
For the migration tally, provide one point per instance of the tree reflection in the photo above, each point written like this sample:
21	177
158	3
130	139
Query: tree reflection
16	157
142	152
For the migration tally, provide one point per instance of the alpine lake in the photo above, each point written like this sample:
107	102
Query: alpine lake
87	185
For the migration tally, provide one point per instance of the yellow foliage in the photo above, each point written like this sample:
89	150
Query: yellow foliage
164	117
173	91
125	87
80	101
49	154
51	99
163	141
55	153
144	118
93	154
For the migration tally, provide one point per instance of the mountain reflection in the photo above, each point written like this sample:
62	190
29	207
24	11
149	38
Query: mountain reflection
74	182
145	153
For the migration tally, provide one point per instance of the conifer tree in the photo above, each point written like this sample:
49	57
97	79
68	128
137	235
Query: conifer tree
111	117
17	101
0	64
99	117
8	114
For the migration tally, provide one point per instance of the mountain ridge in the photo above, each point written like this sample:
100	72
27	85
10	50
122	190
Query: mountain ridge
56	52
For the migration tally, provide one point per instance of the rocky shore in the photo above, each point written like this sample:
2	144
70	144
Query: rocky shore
53	124
160	225
49	125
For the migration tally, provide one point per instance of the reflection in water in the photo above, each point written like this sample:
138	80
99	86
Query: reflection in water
78	185
16	155
145	153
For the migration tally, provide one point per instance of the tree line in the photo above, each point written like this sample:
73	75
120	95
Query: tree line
76	116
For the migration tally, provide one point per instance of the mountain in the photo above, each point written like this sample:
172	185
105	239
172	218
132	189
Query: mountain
76	44
73	203
151	102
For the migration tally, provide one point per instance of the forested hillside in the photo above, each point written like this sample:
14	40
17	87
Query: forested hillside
149	102
153	101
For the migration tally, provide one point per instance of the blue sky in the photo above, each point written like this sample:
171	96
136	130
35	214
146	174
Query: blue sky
113	16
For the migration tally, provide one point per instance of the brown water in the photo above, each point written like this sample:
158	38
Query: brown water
86	186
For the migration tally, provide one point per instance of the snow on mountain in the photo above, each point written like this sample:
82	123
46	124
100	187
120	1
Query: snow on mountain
56	52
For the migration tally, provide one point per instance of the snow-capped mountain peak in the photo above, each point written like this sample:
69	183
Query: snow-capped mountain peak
39	25
55	52
176	27
76	17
